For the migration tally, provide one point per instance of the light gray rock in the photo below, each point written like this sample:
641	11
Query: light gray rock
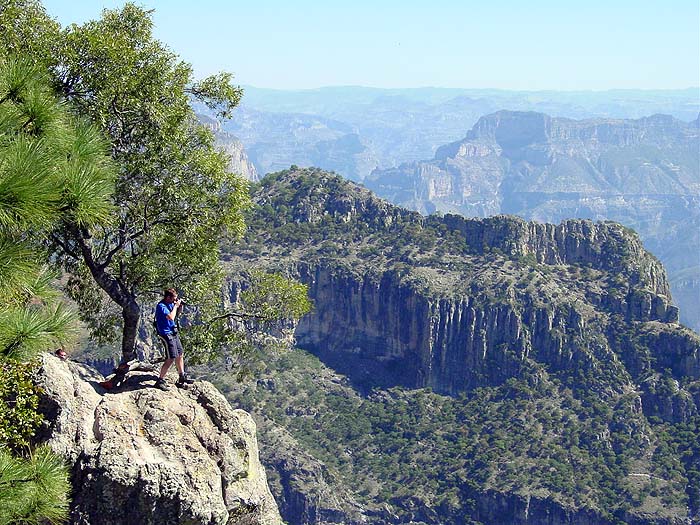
238	158
238	161
146	456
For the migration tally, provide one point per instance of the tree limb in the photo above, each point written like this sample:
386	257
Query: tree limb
240	316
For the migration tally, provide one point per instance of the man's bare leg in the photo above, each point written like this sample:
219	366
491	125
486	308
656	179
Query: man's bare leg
166	366
180	364
160	383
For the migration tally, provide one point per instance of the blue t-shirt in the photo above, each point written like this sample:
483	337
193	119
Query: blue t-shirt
164	325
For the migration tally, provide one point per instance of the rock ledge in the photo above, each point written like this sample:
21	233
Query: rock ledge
146	456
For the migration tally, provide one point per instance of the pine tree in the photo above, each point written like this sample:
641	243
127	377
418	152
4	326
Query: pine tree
33	489
53	168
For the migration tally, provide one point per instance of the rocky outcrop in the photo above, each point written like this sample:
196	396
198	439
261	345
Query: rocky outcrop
146	456
384	332
607	246
495	507
304	489
671	390
238	158
510	154
675	349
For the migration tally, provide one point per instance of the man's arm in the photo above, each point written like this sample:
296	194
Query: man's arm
173	313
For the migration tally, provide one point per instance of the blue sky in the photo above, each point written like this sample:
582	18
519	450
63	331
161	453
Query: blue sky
508	44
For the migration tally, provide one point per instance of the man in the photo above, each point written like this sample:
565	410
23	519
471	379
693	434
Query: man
166	313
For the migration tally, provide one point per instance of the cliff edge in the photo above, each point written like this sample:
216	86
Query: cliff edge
146	456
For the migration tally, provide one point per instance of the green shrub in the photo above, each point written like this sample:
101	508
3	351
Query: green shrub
19	418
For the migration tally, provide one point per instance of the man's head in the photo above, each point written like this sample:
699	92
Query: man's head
170	295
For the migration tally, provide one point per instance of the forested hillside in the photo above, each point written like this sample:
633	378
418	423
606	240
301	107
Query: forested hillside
490	369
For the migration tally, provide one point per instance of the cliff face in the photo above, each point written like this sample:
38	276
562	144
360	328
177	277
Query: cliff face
641	173
605	246
238	158
485	294
151	457
396	334
304	489
533	153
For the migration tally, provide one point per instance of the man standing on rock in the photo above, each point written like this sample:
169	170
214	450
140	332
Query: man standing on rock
166	313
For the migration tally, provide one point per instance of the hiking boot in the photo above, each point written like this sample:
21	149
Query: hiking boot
184	381
161	384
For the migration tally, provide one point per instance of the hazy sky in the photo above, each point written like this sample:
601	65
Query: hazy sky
527	45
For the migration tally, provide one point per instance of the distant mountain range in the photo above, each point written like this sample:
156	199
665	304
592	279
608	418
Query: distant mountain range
368	127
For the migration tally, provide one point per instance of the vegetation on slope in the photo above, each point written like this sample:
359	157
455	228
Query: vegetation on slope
545	436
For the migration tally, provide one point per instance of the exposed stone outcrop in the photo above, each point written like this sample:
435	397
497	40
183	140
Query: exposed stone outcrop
146	456
392	333
305	491
495	507
238	158
675	349
501	291
509	155
608	246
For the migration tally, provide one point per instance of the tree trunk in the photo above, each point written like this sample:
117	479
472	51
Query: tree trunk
117	291
131	314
